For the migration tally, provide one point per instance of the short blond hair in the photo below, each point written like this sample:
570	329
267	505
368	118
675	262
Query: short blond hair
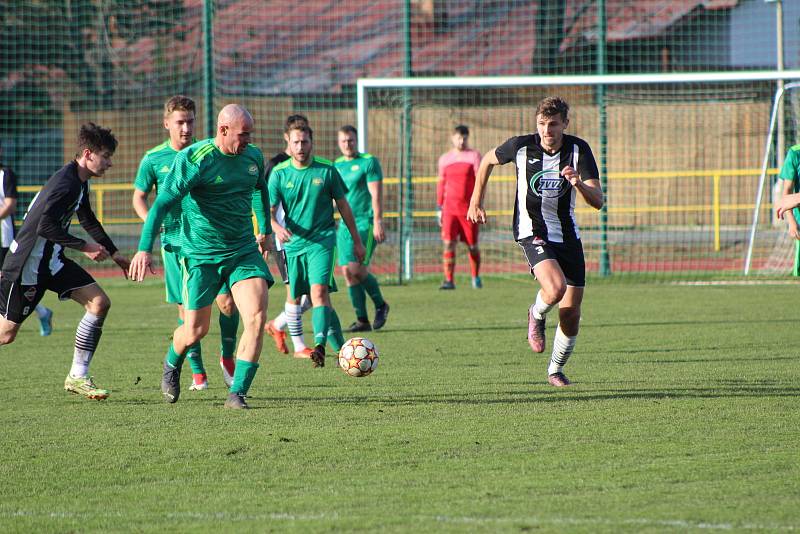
179	103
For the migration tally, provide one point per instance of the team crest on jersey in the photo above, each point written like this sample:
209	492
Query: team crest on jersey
355	167
289	185
164	169
253	169
30	294
317	181
549	183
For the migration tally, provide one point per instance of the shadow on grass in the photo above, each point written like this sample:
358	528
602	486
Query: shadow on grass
522	323
577	392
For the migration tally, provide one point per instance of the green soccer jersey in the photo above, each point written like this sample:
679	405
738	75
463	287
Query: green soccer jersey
356	174
218	193
791	171
306	195
153	169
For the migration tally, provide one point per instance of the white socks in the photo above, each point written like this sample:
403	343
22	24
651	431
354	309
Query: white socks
563	346
87	336
540	308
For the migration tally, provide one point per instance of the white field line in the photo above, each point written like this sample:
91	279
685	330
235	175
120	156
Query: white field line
677	524
739	283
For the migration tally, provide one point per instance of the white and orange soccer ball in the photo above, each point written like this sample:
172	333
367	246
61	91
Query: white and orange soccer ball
358	357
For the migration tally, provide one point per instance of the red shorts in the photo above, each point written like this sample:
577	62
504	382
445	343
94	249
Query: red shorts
455	226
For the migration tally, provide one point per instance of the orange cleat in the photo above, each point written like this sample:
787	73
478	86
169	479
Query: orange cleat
304	354
279	336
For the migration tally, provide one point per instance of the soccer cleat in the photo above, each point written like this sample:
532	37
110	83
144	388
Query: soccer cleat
381	314
228	367
536	331
447	284
476	282
318	356
171	383
558	380
46	323
360	326
279	336
85	386
236	401
199	382
304	354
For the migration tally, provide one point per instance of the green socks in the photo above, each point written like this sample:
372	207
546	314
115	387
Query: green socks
195	355
373	289
321	322
335	337
359	299
174	359
228	328
243	377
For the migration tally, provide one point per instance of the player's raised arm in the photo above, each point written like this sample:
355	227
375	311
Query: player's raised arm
476	212
589	189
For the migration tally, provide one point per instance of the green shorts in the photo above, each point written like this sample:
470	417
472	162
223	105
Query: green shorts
173	276
344	242
312	266
202	282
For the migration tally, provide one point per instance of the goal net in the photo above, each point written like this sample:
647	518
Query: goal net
772	251
680	160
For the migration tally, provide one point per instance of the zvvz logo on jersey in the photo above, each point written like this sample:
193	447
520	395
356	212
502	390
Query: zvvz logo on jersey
549	184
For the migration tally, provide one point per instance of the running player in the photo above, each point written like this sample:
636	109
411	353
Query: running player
215	180
36	260
8	204
363	178
305	186
179	121
457	170
292	314
552	168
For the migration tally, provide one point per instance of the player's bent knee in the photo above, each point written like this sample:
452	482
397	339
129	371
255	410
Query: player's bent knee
99	305
226	306
195	333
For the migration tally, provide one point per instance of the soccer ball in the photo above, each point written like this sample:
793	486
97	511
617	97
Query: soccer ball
358	357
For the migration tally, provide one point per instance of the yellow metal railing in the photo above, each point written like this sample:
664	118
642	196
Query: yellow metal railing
100	190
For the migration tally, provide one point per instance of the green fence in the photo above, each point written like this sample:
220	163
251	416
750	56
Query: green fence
660	146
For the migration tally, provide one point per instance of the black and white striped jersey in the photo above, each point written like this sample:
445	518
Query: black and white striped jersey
38	246
8	189
544	205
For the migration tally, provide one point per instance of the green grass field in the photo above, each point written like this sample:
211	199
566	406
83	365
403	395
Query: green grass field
683	416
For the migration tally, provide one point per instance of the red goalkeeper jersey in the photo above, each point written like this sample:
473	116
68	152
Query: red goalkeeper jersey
457	171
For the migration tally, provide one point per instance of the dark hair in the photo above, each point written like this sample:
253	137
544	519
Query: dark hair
301	127
461	130
179	103
349	129
96	138
292	120
552	106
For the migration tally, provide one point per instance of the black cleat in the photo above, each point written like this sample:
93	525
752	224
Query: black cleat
447	284
318	356
236	401
171	383
381	314
360	326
